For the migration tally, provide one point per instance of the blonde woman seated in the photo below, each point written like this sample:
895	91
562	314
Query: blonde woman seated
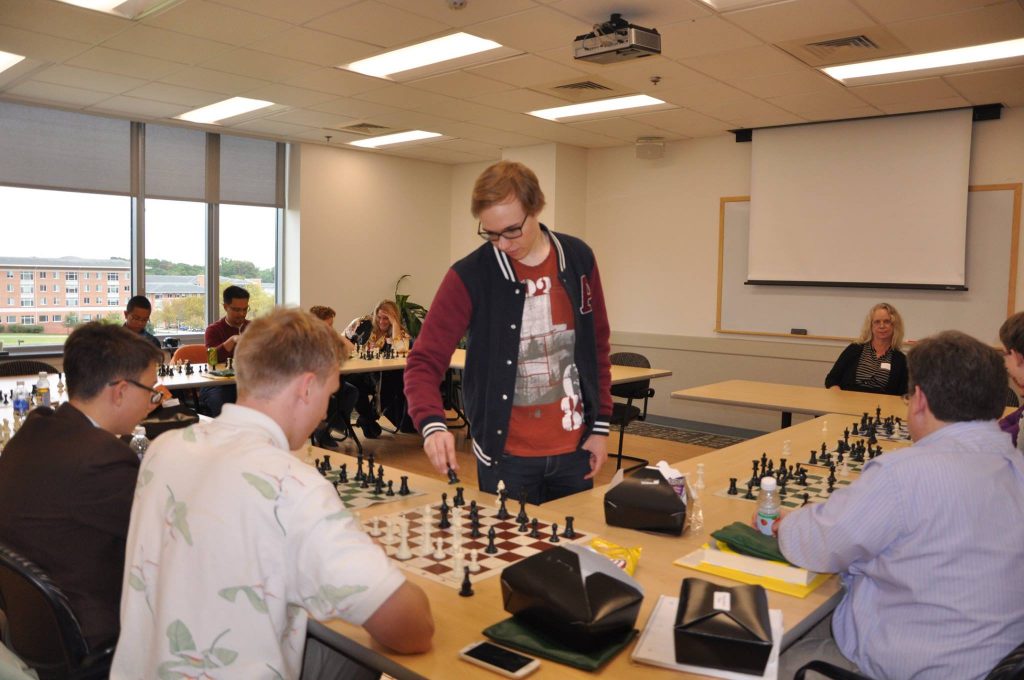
380	331
874	363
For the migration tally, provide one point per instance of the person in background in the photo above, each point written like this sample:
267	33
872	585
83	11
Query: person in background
1011	334
136	316
537	380
930	539
339	409
234	542
223	335
382	392
67	480
874	363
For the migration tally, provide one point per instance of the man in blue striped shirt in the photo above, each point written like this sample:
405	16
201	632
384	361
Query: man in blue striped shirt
930	540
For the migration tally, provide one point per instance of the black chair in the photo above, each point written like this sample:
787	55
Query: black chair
829	671
332	655
9	369
39	626
1011	398
624	414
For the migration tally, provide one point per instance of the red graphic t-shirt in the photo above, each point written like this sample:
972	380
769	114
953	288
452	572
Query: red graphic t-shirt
547	411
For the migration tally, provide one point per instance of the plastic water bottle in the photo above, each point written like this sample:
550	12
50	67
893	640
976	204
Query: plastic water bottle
43	390
767	505
697	504
20	403
139	442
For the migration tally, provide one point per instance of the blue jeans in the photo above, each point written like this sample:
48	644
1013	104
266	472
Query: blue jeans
542	478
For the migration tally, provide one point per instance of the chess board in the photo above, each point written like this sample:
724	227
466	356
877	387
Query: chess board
816	489
511	544
354	497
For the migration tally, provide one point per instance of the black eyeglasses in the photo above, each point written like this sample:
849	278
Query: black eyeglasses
155	396
509	233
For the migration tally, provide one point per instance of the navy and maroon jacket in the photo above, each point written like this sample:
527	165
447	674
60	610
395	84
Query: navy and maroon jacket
480	297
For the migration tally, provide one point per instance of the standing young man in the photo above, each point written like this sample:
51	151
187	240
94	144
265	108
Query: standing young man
537	377
223	335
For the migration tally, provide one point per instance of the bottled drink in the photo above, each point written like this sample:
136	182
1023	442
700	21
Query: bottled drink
697	504
767	505
43	390
20	403
211	357
139	442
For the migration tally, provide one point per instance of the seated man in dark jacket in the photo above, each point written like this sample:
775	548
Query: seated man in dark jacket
67	481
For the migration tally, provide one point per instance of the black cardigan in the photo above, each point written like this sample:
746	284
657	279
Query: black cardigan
844	372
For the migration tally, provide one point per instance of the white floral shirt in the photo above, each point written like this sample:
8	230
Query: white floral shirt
233	543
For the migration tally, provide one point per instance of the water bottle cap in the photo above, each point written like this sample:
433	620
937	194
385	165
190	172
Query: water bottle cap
43	375
139	431
768	484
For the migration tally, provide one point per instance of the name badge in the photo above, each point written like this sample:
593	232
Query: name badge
886	366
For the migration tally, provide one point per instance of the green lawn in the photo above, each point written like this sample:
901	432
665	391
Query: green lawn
15	340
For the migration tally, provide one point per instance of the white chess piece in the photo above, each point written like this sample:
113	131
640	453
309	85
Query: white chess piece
375	527
389	532
425	547
457	562
439	553
474	565
403	553
501	487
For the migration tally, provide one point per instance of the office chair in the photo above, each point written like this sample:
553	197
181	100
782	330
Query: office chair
39	626
9	369
624	414
193	353
332	655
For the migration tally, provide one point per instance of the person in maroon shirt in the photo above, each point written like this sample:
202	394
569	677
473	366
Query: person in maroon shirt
223	335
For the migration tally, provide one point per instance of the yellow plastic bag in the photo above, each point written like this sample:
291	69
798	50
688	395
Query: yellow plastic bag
625	558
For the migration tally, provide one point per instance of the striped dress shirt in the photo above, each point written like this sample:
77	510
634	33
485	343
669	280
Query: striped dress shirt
930	546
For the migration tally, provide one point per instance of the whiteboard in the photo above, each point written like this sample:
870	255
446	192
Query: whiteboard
993	222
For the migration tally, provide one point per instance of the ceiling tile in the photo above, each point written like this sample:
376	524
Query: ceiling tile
355	109
22	70
920	105
315	47
704	96
646	13
826	105
567	134
779	84
434	151
124	63
209	20
338	82
896	93
402	97
797	19
458	109
173	94
39	46
472	13
309	118
215	81
246	62
131	107
459	84
526	70
697	38
520	100
626	129
533	30
289	96
161	44
748	62
502	138
993	23
292	11
684	122
889	12
378	24
61	20
61	95
275	128
488	151
636	75
757	114
1005	86
98	80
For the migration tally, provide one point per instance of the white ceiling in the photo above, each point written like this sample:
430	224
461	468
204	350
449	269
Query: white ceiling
720	70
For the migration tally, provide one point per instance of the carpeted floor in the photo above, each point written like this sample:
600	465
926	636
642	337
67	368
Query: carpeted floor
714	441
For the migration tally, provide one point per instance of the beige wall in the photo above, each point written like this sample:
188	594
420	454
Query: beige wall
366	220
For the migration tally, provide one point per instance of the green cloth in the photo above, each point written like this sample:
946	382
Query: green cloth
512	633
746	540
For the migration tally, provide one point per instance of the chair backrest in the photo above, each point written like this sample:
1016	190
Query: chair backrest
15	367
637	389
1011	398
194	353
41	628
1011	667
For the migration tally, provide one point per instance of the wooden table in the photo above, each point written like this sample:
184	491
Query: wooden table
460	620
790	399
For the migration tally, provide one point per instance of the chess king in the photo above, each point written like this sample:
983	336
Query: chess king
537	377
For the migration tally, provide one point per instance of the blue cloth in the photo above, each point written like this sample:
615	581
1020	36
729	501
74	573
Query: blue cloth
543	478
930	542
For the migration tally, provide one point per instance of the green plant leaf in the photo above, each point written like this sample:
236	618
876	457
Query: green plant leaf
257	602
225	656
180	521
229	594
265	488
179	637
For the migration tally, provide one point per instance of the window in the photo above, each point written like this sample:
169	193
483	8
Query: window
43	318
71	276
28	319
87	288
112	276
26	302
42	275
42	301
56	317
10	287
248	253
176	264
71	302
85	300
56	288
42	288
87	317
12	319
26	276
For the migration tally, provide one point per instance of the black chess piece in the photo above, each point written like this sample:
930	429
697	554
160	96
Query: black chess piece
444	523
534	528
467	585
749	495
370	476
444	502
491	549
327	463
569	532
521	516
380	473
391	490
378	486
359	469
403	490
503	512
365	484
814	458
318	465
452	477
732	487
803	478
343	474
474	523
554	534
459	500
831	484
522	525
807	499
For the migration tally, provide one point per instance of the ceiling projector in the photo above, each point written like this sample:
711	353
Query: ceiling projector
617	40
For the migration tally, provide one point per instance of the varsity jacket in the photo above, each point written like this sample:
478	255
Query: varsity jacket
481	298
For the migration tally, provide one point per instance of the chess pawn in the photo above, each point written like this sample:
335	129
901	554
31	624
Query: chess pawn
474	564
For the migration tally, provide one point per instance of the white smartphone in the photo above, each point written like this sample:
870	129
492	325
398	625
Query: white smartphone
498	659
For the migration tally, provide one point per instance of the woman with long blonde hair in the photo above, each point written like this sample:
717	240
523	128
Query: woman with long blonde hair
874	363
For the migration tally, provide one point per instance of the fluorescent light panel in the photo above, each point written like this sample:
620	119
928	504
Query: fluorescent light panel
229	108
128	9
603	106
435	51
397	138
7	60
946	59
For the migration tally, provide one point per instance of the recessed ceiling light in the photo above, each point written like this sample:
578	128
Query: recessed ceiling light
603	106
426	53
397	138
229	108
129	9
931	63
8	60
730	5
